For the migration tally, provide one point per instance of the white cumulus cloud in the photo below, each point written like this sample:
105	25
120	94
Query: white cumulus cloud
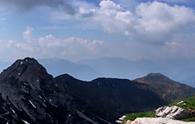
49	46
150	21
162	20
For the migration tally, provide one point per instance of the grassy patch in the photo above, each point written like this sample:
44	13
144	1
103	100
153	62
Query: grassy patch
187	104
189	119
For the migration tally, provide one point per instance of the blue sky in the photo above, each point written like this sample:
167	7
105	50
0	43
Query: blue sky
130	29
160	30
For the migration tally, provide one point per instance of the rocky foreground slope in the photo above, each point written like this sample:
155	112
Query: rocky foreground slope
29	95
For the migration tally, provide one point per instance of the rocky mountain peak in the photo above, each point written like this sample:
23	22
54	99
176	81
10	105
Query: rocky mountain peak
154	78
28	60
26	67
27	71
165	87
156	75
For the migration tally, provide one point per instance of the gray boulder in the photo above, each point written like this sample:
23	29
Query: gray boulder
173	112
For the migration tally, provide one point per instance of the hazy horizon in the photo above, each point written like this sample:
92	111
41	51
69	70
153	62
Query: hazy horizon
88	70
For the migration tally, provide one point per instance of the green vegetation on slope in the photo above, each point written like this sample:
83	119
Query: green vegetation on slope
189	119
188	104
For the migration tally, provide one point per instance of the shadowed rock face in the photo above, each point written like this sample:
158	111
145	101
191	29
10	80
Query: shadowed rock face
27	93
109	98
30	95
168	89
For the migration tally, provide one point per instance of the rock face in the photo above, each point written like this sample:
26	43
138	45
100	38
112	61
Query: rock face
158	121
29	95
173	112
165	87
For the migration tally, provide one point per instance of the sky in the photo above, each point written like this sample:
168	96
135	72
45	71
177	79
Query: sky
153	30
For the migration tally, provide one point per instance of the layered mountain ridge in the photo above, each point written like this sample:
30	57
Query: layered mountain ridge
29	95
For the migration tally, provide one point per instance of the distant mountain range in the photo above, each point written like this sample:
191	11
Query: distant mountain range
29	95
118	68
122	68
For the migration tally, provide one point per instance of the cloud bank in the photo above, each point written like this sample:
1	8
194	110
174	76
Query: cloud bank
49	47
154	30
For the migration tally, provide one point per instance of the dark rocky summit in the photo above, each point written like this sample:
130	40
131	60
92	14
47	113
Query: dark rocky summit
29	95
